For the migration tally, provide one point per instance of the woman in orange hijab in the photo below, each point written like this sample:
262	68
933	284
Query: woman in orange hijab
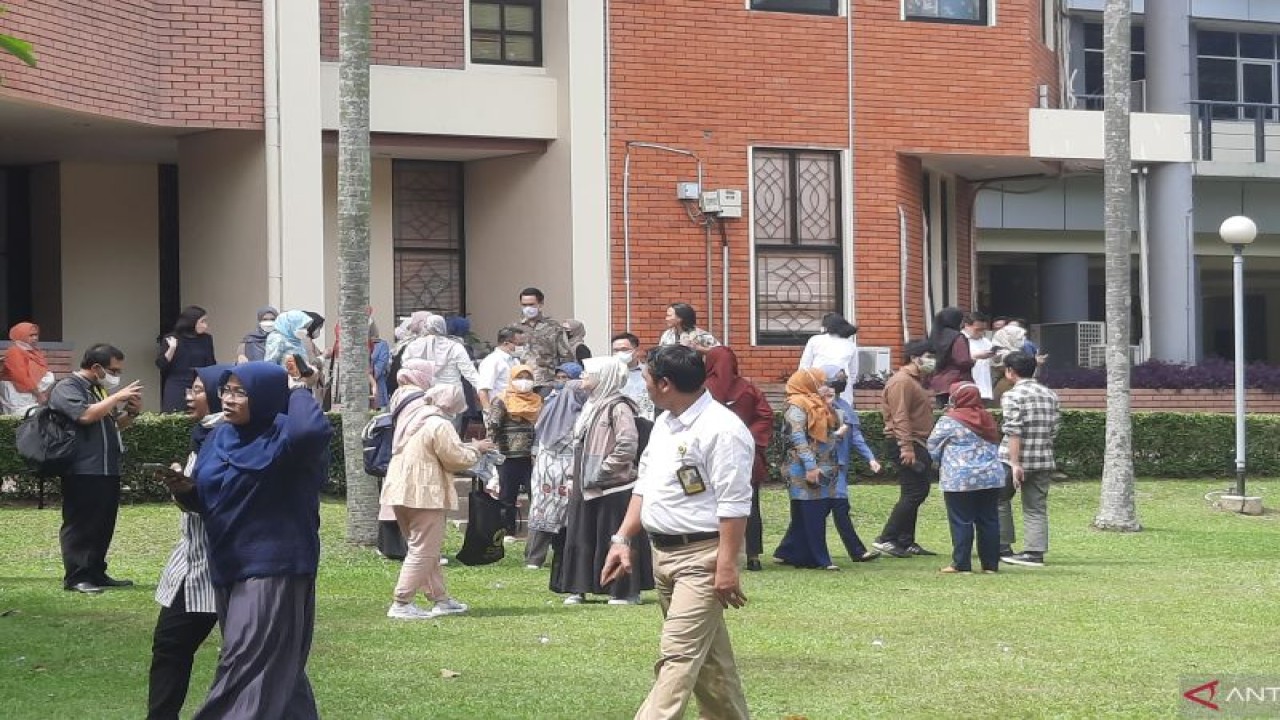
810	425
510	426
27	379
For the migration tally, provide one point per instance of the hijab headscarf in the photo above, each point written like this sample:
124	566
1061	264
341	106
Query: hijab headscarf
457	326
577	335
251	447
723	381
437	326
522	405
258	334
24	365
561	410
416	372
802	391
283	340
610	375
572	369
416	376
967	409
946	328
1010	338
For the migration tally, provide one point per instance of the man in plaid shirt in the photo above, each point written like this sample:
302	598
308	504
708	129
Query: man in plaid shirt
1031	423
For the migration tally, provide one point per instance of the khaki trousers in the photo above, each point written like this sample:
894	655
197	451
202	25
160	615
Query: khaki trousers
424	534
697	658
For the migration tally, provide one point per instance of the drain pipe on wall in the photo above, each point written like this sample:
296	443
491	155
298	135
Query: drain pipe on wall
724	279
1144	266
626	212
902	272
271	130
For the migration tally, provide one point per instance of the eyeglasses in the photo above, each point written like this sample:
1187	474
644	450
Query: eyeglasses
233	394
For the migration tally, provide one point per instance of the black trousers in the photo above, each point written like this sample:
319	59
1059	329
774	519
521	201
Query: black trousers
177	636
89	507
973	512
913	488
844	526
513	478
755	527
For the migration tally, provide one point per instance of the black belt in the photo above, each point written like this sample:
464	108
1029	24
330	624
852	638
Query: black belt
670	541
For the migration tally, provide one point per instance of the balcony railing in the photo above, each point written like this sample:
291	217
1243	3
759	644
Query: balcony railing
1235	132
1137	99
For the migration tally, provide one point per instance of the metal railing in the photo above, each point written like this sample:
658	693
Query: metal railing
1137	98
1231	131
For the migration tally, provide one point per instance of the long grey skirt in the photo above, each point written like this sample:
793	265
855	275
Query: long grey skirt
267	625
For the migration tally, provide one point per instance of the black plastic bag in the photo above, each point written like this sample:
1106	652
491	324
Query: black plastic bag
485	528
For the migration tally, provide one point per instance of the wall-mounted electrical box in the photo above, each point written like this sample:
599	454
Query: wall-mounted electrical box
688	191
725	203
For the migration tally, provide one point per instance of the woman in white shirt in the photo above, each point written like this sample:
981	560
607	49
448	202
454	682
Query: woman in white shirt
834	346
428	340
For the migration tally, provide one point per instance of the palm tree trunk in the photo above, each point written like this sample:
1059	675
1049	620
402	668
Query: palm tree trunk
354	190
1117	510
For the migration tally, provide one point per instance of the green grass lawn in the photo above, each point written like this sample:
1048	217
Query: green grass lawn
1107	629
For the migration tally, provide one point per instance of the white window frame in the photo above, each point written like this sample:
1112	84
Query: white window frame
842	10
990	22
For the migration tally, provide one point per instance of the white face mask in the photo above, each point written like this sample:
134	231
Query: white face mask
928	365
530	311
267	325
110	381
626	356
522	385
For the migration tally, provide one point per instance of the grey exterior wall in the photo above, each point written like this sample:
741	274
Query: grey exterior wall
1243	10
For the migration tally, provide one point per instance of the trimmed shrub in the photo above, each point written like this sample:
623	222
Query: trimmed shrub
1212	374
1166	445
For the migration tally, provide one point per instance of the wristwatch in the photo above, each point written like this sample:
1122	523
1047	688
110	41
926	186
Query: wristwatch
620	540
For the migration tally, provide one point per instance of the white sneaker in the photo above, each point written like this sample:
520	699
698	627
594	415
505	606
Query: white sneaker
575	600
532	567
444	560
509	540
633	600
408	611
449	606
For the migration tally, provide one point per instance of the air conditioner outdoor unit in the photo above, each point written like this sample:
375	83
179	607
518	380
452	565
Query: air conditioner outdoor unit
874	361
1068	344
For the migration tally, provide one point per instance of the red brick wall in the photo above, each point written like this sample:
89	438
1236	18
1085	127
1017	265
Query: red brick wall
417	33
181	63
778	79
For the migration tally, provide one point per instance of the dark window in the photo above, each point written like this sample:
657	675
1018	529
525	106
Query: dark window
1217	81
1094	92
506	32
1213	42
1262	47
797	217
428	253
1237	68
810	7
953	11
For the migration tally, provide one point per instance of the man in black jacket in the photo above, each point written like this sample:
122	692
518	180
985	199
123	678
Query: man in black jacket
93	398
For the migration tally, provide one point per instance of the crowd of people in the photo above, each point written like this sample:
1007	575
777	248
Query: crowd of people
638	467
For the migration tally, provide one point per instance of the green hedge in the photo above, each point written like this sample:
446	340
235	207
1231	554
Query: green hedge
1167	445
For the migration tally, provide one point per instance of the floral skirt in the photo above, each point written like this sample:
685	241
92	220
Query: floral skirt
550	486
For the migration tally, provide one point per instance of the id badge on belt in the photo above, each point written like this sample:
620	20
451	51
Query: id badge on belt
690	480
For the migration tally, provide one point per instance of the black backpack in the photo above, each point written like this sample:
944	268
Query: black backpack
644	428
46	439
377	436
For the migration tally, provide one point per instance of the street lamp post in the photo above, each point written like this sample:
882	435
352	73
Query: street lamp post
1238	231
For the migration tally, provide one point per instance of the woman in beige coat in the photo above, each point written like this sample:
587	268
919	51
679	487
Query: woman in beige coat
426	452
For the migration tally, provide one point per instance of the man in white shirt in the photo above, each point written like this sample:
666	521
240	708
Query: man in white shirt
626	347
980	349
693	496
495	368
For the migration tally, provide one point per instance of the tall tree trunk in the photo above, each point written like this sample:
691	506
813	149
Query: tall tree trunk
1117	510
354	190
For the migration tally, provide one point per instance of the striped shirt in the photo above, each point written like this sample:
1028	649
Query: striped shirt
188	566
1031	413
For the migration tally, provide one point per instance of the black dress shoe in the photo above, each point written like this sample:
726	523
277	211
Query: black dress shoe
754	565
915	549
109	582
86	587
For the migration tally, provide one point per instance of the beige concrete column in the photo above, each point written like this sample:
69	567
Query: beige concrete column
222	211
110	253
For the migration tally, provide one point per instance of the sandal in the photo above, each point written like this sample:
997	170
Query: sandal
832	568
951	570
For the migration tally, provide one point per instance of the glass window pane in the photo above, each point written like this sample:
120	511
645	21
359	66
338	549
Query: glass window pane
1092	36
1257	86
1253	45
823	7
1213	42
1093	73
1217	81
1138	70
486	46
485	16
521	49
794	291
818	198
959	9
1138	38
520	18
771	198
922	8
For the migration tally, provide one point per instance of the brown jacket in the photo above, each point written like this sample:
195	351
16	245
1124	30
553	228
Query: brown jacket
907	407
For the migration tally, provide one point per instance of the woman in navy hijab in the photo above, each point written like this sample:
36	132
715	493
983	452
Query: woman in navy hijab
258	479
